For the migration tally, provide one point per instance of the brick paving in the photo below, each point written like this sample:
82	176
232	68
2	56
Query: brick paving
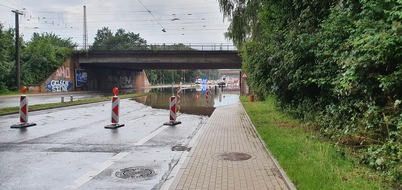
229	130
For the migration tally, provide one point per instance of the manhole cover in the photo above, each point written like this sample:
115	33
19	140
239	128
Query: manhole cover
135	173
234	156
180	148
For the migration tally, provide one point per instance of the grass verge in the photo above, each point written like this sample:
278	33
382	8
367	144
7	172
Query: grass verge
8	93
12	110
309	162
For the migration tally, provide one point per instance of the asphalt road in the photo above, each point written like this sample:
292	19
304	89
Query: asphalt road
70	148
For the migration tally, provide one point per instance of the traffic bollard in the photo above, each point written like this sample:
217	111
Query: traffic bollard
23	111
115	111
172	111
178	98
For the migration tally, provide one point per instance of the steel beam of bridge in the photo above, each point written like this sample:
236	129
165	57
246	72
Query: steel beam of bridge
139	60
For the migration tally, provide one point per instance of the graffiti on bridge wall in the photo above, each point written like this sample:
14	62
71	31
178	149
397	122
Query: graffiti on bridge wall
63	72
122	79
61	80
59	85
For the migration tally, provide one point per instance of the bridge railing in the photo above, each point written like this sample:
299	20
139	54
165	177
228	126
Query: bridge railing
176	47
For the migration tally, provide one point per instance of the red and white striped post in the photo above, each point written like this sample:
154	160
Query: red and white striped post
23	111
178	98
172	111
115	111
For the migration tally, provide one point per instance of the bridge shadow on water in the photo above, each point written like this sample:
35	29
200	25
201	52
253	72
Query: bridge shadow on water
193	100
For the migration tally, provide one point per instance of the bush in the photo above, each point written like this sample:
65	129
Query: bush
337	64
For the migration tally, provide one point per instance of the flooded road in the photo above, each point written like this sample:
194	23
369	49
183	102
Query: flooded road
193	100
69	148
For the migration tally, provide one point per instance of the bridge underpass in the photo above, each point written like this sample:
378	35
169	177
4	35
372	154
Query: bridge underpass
139	60
124	69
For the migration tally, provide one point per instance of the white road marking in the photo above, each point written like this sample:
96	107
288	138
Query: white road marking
150	136
91	174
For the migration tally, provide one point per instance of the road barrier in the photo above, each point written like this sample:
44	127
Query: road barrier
23	111
115	111
172	116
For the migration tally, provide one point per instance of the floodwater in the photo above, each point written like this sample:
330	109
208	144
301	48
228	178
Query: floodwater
193	100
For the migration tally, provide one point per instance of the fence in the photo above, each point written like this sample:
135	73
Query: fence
174	47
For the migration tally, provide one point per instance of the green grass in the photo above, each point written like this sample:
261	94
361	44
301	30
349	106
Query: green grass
11	110
8	93
309	162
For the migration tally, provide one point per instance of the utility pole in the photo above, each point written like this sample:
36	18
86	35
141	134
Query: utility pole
85	36
17	47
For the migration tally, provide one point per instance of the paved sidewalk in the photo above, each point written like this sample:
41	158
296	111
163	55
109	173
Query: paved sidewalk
228	134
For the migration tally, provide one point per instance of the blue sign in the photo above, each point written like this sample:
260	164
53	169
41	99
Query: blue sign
81	78
204	81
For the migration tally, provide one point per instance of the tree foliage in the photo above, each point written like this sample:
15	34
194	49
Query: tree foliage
6	59
337	63
39	58
42	56
121	40
244	18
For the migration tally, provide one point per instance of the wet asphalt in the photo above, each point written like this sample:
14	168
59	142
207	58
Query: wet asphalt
69	148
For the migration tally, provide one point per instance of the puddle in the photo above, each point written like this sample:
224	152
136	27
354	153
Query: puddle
193	99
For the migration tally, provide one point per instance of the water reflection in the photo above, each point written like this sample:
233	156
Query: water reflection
193	100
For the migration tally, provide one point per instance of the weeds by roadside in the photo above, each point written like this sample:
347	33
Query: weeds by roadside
309	161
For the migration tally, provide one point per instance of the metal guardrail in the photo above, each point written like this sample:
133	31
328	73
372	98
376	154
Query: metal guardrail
178	47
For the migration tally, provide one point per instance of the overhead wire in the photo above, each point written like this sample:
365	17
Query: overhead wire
163	29
7	6
189	22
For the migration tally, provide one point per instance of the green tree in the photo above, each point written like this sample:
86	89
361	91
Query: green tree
336	63
7	65
121	40
244	19
43	55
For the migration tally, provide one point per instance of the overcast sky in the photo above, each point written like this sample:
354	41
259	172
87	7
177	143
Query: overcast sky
185	21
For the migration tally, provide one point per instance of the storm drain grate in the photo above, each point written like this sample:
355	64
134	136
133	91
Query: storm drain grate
181	148
234	156
135	173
